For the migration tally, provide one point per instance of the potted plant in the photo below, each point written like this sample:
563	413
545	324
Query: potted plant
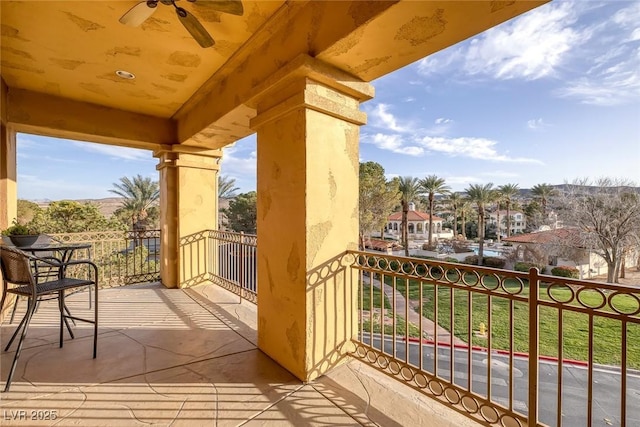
22	234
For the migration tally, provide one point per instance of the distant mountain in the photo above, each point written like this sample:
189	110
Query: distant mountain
526	192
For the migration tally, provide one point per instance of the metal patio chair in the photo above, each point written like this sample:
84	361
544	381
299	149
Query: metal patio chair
19	279
44	272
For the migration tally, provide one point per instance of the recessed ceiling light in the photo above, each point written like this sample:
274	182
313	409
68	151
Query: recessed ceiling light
125	75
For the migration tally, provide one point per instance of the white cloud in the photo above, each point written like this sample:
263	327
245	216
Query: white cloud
442	120
237	166
386	120
409	99
614	80
440	61
536	124
614	75
530	47
395	144
475	148
558	40
115	152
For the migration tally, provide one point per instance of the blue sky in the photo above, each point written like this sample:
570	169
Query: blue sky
550	96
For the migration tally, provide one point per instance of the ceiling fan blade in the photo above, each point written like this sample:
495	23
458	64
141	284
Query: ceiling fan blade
233	7
137	14
195	28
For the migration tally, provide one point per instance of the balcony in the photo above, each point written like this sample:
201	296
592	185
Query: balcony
536	342
186	357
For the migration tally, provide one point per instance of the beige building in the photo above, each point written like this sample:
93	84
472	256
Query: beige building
518	221
556	247
417	224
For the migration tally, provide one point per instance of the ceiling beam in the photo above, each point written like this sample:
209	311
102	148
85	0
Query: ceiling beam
49	115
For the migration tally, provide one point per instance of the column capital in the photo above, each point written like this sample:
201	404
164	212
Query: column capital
307	82
184	156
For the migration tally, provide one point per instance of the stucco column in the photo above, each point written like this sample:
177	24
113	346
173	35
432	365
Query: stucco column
308	133
8	177
188	206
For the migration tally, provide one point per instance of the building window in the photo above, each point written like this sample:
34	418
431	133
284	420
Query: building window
395	226
419	227
410	228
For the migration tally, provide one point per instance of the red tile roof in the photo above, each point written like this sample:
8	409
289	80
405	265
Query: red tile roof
379	244
413	216
566	236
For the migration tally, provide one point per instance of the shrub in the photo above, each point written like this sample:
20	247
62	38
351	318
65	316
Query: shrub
524	266
495	262
471	259
565	271
451	259
488	261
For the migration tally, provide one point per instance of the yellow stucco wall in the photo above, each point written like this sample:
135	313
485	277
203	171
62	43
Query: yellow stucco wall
189	190
8	177
307	218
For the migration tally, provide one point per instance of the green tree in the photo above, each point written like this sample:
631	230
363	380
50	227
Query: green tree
139	195
542	193
432	185
465	211
409	188
377	198
508	192
27	211
227	187
481	195
68	216
455	200
242	213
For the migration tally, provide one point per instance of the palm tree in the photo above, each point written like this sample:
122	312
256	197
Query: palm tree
543	192
465	208
497	199
139	194
480	195
508	191
409	188
227	187
455	200
433	185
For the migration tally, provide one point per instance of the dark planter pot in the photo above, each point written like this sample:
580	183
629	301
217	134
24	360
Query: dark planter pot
23	240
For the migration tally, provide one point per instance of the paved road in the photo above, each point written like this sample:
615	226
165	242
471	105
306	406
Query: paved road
606	387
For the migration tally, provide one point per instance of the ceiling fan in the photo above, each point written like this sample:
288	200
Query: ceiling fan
143	10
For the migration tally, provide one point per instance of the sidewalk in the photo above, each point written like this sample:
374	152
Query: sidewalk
443	336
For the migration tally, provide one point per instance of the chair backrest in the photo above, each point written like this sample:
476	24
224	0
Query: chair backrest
15	266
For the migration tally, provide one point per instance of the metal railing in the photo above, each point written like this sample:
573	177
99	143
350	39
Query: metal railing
123	257
236	269
502	347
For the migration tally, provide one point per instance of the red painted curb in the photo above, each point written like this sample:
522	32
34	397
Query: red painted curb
503	352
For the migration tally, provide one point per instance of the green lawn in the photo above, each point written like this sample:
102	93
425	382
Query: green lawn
414	331
607	332
366	298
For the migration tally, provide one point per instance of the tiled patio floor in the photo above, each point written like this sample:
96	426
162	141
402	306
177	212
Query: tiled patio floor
169	357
